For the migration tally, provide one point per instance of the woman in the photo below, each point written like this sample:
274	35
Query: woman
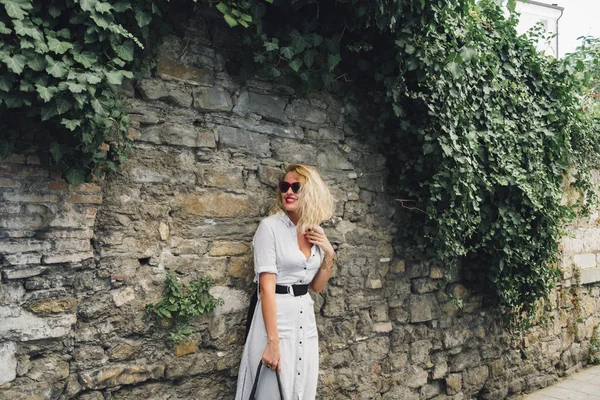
291	253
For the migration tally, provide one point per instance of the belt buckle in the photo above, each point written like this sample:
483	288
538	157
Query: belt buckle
290	290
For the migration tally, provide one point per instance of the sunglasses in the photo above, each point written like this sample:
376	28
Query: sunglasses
285	186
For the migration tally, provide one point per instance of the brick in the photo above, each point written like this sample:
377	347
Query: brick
219	249
22	222
23	259
23	246
31	198
9	183
382	327
21	170
58	185
15	158
185	348
33	159
72	245
86	188
22	273
214	204
85	199
67	258
78	234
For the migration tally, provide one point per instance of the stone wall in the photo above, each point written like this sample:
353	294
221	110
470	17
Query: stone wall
79	263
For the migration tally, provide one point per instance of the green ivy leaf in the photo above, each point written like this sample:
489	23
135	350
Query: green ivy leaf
75	176
70	124
36	62
88	5
56	151
56	68
296	64
4	30
16	8
85	58
125	50
288	52
309	57
46	93
143	18
232	22
6	82
48	111
114	77
333	60
58	46
75	87
122	6
16	63
102	7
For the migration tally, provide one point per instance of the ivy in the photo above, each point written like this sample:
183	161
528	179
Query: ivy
181	304
61	62
480	131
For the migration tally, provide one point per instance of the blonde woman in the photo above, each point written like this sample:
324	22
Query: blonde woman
291	253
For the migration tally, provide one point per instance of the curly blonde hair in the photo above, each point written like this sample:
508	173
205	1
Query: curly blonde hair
315	202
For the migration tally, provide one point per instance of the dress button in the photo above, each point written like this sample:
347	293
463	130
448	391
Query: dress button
300	312
300	359
300	342
298	373
300	327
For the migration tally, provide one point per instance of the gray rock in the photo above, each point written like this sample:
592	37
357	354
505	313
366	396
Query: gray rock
212	99
269	106
8	362
245	141
423	308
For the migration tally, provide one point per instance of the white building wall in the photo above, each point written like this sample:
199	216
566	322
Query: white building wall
531	14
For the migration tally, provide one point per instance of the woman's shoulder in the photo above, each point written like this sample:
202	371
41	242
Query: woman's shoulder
272	220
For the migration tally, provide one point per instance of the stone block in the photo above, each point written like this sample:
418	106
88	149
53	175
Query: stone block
185	348
53	305
590	275
22	246
374	284
178	135
30	197
382	327
212	99
398	266
85	199
290	151
327	133
224	177
228	248
163	231
423	285
415	377
239	268
9	183
22	259
271	107
22	325
585	260
474	378
8	362
332	158
117	375
22	273
269	176
211	204
157	89
465	359
123	295
67	258
168	69
302	111
234	300
244	141
453	384
423	308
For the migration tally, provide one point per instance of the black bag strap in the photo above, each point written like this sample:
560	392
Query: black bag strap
251	308
255	386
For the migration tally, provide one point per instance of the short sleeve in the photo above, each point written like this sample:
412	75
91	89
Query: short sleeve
265	256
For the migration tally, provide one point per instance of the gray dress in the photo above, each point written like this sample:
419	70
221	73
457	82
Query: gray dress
276	251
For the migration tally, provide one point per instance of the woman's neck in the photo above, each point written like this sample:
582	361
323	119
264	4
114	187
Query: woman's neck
294	217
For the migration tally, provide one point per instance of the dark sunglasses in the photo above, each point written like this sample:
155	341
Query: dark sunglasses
285	186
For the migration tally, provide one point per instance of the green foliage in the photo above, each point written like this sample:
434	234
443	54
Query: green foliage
180	304
489	143
60	63
595	346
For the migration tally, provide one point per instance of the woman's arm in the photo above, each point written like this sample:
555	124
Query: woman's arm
318	237
269	310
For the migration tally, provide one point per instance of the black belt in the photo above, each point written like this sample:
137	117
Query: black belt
294	290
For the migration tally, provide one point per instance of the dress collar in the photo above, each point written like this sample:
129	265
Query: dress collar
286	220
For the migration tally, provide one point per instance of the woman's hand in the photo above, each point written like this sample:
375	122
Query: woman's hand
317	236
271	356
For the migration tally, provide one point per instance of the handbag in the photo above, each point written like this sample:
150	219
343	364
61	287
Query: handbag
255	386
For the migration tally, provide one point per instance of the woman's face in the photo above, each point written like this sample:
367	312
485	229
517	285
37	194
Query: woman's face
289	198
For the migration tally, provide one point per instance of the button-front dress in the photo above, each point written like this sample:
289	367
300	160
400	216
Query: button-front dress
276	251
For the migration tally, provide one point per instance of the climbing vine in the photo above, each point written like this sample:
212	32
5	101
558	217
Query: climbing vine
180	304
489	144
